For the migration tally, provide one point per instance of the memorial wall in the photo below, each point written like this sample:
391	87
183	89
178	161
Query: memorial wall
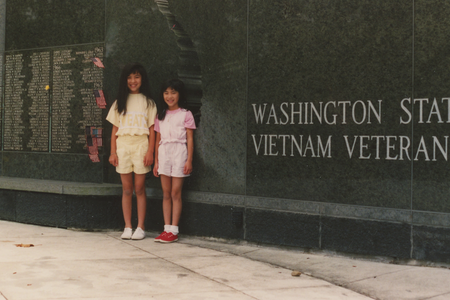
321	124
49	99
48	88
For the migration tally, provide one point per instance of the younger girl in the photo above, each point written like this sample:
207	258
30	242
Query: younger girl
133	141
173	154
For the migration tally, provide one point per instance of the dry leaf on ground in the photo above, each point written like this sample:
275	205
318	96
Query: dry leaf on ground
296	273
25	245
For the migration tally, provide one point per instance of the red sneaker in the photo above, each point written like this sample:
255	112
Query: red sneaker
169	237
159	237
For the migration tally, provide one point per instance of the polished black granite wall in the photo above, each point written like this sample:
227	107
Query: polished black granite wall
330	55
329	115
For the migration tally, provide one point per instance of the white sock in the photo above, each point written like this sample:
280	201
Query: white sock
174	229
167	228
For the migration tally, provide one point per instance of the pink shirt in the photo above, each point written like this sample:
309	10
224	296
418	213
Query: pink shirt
173	127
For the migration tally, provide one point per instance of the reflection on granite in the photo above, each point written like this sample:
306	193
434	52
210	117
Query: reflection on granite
220	38
189	71
37	24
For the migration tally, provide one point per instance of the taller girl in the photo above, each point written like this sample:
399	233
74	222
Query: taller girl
173	155
132	142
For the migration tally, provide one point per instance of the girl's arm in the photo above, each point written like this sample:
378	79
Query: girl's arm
113	159
148	159
155	167
190	149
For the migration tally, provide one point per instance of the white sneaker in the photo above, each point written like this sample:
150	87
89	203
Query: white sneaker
138	234
126	235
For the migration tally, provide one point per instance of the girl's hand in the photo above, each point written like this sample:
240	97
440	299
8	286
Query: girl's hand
187	168
155	169
148	159
114	160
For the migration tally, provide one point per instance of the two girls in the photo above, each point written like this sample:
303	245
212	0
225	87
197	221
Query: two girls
133	140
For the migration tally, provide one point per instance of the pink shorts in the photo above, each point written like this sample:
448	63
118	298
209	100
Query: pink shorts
171	159
131	151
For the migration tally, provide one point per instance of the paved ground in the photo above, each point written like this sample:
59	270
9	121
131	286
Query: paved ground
66	264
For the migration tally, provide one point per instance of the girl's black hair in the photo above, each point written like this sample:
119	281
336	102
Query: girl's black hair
124	91
178	86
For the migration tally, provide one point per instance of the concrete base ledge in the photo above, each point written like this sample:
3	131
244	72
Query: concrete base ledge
68	187
59	187
331	227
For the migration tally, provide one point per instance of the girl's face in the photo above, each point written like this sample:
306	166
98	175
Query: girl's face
134	82
171	97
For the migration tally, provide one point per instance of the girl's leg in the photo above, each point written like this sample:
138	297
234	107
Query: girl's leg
139	188
127	194
177	186
166	184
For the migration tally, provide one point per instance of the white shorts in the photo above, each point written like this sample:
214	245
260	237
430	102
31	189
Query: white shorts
171	159
131	150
